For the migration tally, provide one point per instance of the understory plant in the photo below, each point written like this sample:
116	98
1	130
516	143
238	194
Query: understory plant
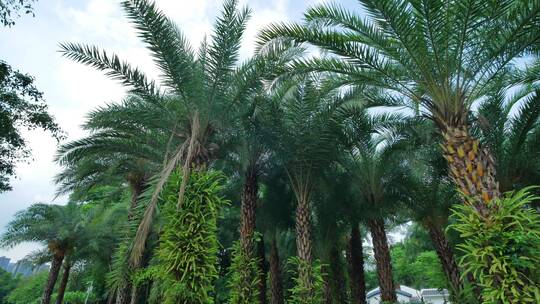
244	277
299	293
502	250
188	245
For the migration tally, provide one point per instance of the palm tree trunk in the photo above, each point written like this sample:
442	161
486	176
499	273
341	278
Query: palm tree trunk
276	284
63	283
123	293
136	185
335	277
355	258
472	168
446	257
384	262
263	271
247	212
134	291
303	244
53	276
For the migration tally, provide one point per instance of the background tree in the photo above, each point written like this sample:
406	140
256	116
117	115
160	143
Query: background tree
57	227
22	107
11	9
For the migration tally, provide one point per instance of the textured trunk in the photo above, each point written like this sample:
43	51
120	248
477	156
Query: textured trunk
51	280
327	289
446	256
263	271
276	285
63	284
355	259
382	257
123	293
335	277
471	167
303	244
136	185
134	292
247	212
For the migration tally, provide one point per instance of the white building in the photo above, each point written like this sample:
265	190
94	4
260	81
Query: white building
407	294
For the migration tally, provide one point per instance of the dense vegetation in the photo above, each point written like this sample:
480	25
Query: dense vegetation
259	181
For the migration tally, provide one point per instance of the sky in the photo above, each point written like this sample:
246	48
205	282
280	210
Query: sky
72	90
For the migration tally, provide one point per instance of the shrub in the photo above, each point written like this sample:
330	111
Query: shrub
502	251
244	277
300	294
187	251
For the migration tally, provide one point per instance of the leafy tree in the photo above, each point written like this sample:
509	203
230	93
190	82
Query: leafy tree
22	107
8	282
29	290
10	10
57	227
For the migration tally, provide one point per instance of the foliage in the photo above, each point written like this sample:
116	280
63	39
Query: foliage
244	277
423	271
29	289
10	9
77	297
300	294
503	251
8	282
22	107
187	251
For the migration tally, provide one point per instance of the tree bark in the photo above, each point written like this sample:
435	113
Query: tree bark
276	284
384	262
51	280
134	291
446	256
335	278
63	283
123	294
263	271
355	258
136	184
247	212
303	244
472	168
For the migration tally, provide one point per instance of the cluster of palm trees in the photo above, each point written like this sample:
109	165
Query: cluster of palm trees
401	108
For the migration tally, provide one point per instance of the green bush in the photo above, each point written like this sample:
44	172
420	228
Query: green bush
502	251
301	294
29	289
188	246
244	277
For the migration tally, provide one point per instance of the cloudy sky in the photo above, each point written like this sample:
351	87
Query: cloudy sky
72	90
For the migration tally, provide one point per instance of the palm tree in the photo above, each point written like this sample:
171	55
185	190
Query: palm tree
509	126
305	140
204	87
57	227
438	54
381	178
125	145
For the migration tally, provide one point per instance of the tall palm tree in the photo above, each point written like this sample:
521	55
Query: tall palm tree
126	145
438	54
57	227
381	178
305	139
203	85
